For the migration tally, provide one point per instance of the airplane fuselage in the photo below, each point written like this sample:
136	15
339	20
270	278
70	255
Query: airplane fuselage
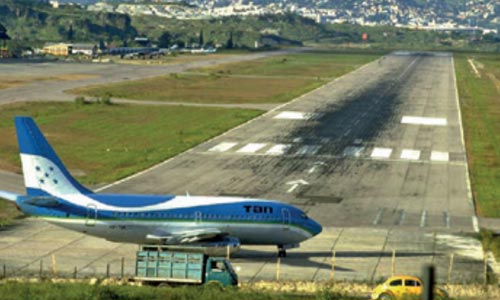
257	222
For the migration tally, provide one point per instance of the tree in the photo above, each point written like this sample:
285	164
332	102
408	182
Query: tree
165	40
230	43
70	33
201	41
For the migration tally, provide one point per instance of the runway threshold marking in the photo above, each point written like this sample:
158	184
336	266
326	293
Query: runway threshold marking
222	147
308	150
424	121
446	217
440	156
279	149
251	148
353	151
294	115
378	218
423	218
410	154
381	152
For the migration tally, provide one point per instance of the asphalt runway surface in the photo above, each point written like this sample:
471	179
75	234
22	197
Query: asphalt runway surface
376	156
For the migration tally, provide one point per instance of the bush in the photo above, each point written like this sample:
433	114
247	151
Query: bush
80	100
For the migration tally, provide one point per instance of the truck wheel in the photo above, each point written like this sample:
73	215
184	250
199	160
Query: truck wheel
385	296
214	284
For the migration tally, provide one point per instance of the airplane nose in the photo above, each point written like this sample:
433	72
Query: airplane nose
316	227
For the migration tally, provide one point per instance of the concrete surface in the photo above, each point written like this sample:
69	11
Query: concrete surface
346	154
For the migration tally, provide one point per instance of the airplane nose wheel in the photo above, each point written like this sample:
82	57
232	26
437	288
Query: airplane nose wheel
281	251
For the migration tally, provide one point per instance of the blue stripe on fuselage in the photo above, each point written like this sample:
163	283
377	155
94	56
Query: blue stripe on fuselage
239	212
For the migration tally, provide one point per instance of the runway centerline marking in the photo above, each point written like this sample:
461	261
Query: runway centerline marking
278	149
440	156
294	115
222	147
410	154
381	152
424	121
251	148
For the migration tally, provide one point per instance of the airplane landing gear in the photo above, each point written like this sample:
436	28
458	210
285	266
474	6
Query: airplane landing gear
281	251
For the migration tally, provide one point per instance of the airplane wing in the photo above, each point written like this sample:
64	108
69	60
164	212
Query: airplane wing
186	236
8	196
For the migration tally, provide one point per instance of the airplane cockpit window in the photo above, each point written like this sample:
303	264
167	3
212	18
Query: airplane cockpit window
304	216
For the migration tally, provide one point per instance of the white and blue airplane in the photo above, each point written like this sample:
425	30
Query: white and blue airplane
54	195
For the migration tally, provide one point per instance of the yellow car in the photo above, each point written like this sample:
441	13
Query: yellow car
404	287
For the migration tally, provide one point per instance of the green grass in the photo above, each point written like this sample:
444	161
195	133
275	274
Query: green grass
310	64
105	143
479	100
206	89
269	80
79	291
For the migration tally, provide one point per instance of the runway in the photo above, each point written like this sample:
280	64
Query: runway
376	156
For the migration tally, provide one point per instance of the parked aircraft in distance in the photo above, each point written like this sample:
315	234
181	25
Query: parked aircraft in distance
54	195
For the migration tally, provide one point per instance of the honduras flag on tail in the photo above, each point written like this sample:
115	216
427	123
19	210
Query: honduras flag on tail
44	173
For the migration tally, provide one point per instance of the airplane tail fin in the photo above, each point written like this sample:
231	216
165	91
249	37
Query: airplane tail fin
44	173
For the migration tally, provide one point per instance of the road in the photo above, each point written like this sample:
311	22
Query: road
376	156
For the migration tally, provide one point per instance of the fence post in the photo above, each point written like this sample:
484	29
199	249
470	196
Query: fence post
428	278
332	271
278	265
393	262
4	272
450	268
54	265
75	272
485	258
228	252
122	270
107	270
41	269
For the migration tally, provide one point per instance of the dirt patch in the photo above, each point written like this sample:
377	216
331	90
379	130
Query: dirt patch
9	81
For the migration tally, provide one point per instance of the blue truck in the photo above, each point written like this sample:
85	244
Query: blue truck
157	265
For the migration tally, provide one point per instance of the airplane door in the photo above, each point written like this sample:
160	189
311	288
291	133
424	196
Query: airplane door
285	214
91	215
197	217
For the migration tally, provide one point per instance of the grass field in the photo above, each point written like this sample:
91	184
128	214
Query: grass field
79	291
206	89
480	105
308	64
104	143
269	80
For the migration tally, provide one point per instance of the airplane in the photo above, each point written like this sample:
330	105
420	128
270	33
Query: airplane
192	221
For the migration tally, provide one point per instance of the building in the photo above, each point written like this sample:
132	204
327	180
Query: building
57	49
65	49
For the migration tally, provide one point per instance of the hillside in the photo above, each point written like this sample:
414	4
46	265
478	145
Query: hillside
31	22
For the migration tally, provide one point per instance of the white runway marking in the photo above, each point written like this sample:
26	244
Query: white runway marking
251	148
423	218
381	152
278	149
410	154
353	151
308	150
440	156
294	115
424	121
222	147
